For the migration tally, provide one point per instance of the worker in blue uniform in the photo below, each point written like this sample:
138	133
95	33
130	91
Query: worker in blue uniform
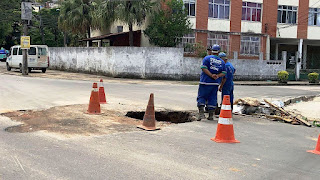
213	69
227	86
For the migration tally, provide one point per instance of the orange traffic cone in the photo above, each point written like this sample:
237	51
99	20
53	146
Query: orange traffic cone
102	95
225	132
94	105
149	118
317	149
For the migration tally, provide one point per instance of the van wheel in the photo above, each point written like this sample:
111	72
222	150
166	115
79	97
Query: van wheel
8	67
20	66
29	70
44	70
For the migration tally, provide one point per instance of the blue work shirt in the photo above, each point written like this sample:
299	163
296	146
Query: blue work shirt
216	66
229	76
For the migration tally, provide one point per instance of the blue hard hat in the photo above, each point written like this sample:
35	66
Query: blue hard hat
222	55
215	47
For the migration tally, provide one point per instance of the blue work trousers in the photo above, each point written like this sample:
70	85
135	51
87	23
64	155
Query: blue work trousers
207	95
227	90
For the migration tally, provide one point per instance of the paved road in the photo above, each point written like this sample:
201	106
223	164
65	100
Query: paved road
18	92
268	150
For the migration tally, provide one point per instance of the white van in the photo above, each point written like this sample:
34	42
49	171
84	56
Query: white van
38	58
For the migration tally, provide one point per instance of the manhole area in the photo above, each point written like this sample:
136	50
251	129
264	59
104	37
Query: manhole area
167	116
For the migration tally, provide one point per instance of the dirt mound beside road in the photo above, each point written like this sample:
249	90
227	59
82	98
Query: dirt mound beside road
73	120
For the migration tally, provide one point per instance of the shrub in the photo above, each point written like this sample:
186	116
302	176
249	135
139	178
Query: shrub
283	76
313	77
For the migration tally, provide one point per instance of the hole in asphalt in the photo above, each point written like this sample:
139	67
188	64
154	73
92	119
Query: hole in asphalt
168	116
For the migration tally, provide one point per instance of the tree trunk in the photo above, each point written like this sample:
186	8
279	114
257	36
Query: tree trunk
89	36
41	31
130	35
56	37
65	39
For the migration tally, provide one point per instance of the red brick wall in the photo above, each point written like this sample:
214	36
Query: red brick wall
202	10
235	25
234	44
303	19
269	17
202	38
235	15
263	41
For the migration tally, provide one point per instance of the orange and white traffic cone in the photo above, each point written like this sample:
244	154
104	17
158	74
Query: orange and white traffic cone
225	133
102	95
149	118
94	105
317	149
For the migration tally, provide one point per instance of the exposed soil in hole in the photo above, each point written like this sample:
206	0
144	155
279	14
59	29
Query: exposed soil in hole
73	120
166	116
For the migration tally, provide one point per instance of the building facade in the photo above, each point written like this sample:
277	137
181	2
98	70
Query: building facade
251	29
258	29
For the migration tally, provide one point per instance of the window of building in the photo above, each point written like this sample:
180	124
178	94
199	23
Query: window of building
250	45
119	29
219	9
190	6
287	14
188	43
221	39
314	16
251	11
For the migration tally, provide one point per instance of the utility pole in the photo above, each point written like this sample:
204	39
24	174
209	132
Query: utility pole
24	51
26	16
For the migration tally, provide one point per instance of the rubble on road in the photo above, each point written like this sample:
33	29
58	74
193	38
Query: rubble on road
270	110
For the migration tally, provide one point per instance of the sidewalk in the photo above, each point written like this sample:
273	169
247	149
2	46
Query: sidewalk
55	74
274	83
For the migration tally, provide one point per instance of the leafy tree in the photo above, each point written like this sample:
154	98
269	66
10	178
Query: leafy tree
169	25
134	12
65	8
10	22
103	13
76	16
45	28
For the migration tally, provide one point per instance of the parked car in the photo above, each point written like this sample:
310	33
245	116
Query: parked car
3	55
38	58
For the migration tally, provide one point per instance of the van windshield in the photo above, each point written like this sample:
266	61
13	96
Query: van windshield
42	51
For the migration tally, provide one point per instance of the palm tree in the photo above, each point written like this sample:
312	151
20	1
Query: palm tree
103	13
134	12
63	23
75	16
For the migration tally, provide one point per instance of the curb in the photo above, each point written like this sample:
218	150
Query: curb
275	84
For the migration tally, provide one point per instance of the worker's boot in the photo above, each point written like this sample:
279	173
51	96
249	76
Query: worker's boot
211	112
201	113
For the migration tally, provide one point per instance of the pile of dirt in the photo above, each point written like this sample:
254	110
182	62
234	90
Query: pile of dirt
74	120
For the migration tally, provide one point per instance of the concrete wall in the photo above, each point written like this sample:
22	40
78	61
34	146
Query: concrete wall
218	25
257	69
150	63
250	26
144	62
289	2
287	32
